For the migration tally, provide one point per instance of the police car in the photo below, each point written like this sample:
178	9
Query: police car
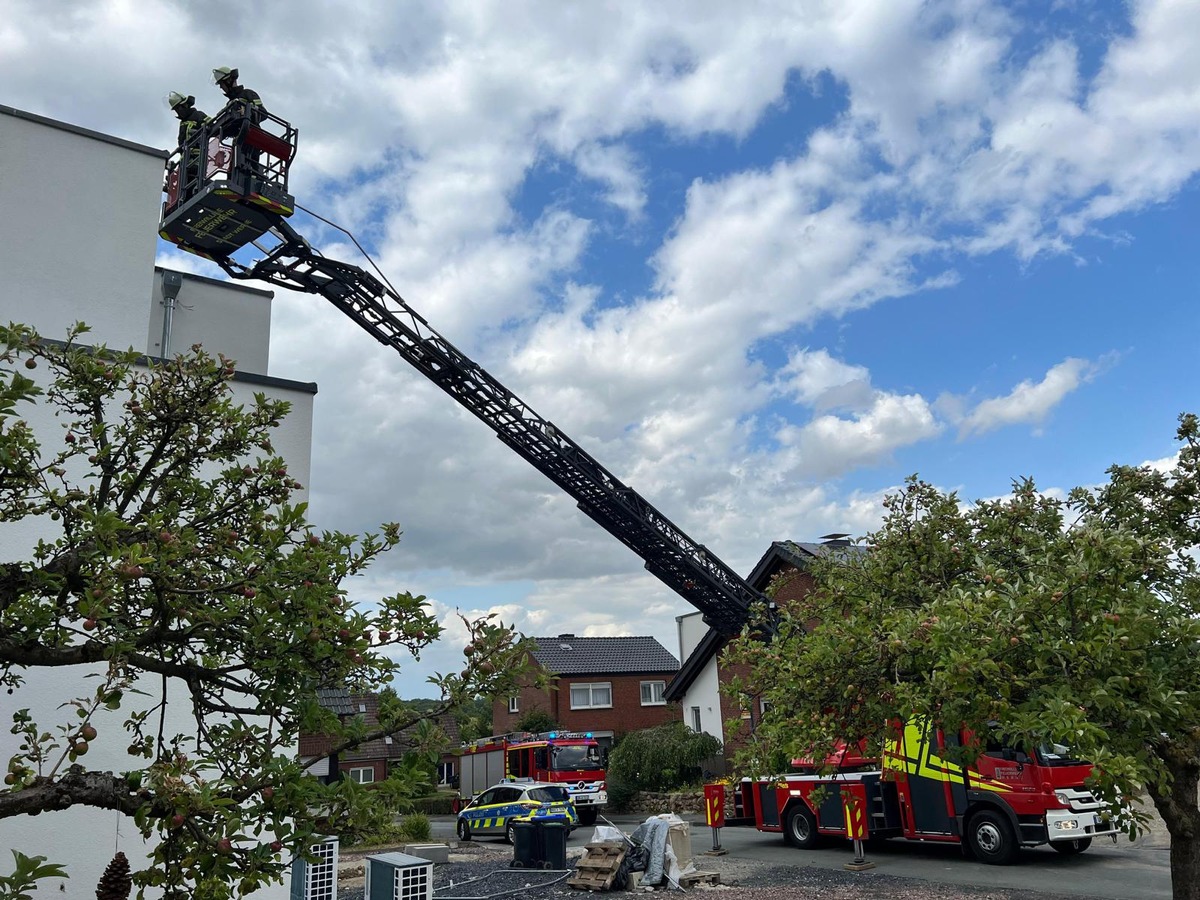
496	809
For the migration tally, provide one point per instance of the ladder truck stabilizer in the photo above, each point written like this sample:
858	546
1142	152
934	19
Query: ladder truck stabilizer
245	203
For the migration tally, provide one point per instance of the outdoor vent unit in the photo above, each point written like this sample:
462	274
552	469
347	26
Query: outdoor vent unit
397	876
317	880
565	647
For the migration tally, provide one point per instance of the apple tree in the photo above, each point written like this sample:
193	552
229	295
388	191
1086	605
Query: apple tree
1074	620
169	568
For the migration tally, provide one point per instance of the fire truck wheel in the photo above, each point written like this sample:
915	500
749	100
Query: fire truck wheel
587	815
991	838
1070	848
464	830
801	827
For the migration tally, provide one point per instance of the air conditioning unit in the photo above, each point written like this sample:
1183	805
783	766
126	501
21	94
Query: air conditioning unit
397	876
317	880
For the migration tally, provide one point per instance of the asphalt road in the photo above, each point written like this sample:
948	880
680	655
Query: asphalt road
1124	871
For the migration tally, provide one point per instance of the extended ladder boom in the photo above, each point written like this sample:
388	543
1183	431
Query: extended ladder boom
243	199
682	564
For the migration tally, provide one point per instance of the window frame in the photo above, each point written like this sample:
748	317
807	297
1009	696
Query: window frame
350	774
696	720
662	689
514	704
591	686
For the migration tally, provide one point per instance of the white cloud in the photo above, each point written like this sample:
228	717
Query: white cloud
833	445
1029	402
616	168
816	379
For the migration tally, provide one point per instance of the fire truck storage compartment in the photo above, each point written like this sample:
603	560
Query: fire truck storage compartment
883	803
769	798
480	771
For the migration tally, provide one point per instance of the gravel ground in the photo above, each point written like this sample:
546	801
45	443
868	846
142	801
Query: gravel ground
478	871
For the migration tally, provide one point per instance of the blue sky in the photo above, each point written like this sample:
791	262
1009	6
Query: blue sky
761	262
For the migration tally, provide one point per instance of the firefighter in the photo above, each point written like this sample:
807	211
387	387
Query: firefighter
227	80
252	111
190	120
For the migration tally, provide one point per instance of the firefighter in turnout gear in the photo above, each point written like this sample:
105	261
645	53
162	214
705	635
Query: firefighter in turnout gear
251	106
227	80
190	120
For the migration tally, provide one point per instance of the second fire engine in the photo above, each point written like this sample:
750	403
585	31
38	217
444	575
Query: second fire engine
572	759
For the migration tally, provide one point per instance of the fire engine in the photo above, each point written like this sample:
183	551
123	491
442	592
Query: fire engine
1006	799
569	758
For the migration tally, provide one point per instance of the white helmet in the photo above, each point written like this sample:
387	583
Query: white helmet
176	99
224	73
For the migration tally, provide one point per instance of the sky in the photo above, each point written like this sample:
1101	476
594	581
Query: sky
762	260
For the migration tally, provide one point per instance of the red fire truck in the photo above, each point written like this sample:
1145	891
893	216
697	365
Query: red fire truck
570	758
1007	799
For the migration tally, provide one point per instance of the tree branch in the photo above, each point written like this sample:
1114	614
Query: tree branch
76	787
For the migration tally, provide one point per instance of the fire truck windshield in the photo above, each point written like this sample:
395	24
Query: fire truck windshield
575	758
1052	754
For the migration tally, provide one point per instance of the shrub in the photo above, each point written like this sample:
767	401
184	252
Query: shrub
662	758
620	795
415	827
384	836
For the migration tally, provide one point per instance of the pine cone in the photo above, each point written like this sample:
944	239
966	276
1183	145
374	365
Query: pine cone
116	882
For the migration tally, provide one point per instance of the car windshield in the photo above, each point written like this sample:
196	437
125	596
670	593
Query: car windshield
576	757
549	794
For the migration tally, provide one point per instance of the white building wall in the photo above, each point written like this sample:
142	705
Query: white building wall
704	693
218	315
78	230
83	249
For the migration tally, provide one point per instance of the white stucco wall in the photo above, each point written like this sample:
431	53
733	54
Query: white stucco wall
704	693
82	248
220	316
79	229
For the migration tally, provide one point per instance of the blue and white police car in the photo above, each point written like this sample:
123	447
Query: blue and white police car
495	810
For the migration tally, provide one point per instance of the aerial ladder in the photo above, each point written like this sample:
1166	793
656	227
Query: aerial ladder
227	191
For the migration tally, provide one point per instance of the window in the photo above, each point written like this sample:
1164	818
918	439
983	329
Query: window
652	693
696	720
591	696
364	775
514	704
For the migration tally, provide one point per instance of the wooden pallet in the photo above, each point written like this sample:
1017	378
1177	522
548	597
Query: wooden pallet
598	870
695	878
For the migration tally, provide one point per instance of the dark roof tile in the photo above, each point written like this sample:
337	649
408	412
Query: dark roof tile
571	655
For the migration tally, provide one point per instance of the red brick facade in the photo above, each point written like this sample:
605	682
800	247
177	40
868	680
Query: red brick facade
626	713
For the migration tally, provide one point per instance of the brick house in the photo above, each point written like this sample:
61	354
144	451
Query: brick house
698	686
605	685
371	761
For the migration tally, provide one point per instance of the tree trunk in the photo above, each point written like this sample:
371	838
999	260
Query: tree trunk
1179	805
1185	868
